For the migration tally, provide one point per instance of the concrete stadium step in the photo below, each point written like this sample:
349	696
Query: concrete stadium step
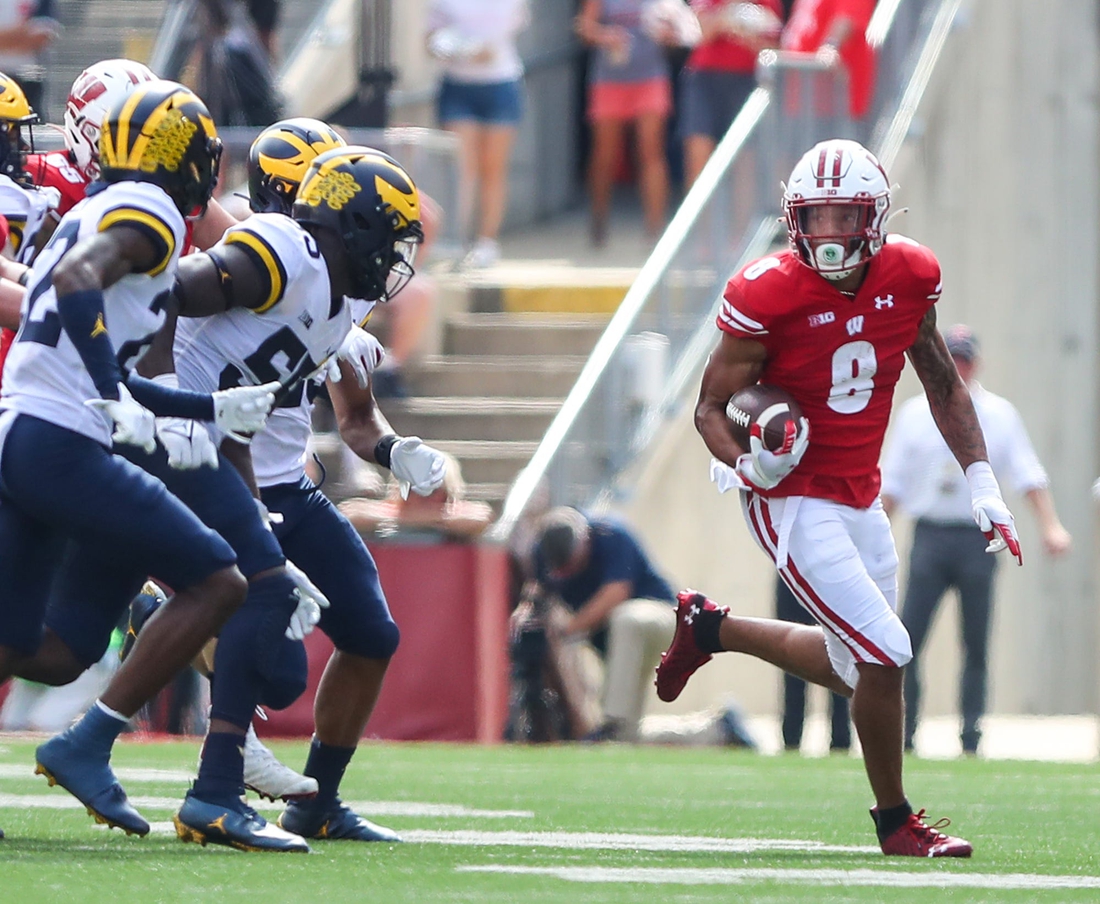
489	462
494	375
522	334
547	287
478	418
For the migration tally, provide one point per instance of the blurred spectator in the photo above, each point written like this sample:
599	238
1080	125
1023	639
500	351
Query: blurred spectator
480	100
920	476
27	28
265	17
235	77
443	513
628	84
788	608
616	603
835	30
719	75
402	322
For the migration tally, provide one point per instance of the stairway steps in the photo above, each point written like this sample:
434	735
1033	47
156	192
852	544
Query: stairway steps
489	375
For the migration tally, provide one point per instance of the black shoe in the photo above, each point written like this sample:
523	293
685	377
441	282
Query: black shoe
735	731
336	822
608	731
238	827
142	608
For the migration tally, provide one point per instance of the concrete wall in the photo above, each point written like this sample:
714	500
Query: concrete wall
1000	172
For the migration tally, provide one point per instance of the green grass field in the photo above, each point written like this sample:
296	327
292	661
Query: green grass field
569	824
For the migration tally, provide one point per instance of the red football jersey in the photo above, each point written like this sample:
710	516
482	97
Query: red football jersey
839	356
56	170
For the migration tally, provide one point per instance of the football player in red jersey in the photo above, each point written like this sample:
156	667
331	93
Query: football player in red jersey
831	320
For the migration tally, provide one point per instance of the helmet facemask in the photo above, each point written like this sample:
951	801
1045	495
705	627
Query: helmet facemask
13	152
379	270
836	253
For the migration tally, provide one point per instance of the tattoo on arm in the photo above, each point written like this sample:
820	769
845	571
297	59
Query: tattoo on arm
948	397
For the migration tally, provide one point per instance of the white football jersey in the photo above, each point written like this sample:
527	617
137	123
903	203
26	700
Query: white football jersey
291	334
25	210
44	375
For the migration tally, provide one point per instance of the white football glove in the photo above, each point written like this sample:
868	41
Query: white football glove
990	512
187	443
135	424
416	466
310	603
765	469
244	409
363	352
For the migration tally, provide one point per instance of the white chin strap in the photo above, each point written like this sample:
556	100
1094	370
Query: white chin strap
830	255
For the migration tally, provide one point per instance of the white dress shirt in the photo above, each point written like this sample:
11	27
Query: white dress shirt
921	473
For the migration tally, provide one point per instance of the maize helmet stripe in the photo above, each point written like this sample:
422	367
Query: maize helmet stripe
16	226
14	106
266	261
397	192
144	147
153	227
292	165
326	185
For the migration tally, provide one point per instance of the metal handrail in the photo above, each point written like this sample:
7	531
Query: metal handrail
761	233
625	315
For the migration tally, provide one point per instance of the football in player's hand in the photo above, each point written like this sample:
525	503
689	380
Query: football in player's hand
774	409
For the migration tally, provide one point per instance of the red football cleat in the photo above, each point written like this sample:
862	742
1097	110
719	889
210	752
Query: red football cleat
916	839
683	657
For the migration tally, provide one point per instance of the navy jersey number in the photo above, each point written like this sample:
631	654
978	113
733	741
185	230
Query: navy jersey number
261	364
46	330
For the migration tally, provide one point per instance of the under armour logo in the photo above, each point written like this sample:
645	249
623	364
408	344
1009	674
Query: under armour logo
855	325
887	302
691	613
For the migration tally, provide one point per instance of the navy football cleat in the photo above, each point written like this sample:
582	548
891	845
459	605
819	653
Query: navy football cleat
91	781
238	827
336	822
142	608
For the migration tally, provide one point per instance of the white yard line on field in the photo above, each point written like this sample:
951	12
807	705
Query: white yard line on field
853	877
125	774
617	841
55	801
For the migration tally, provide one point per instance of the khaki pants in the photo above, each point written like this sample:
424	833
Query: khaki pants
639	631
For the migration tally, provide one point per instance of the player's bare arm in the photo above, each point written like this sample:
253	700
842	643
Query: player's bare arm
948	397
158	357
11	300
358	418
735	363
101	260
240	456
217	280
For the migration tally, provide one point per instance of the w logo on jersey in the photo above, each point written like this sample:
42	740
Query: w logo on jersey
830	170
855	325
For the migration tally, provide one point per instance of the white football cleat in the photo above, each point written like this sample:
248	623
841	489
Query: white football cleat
264	774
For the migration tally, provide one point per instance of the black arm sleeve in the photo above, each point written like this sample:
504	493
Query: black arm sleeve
164	401
81	315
